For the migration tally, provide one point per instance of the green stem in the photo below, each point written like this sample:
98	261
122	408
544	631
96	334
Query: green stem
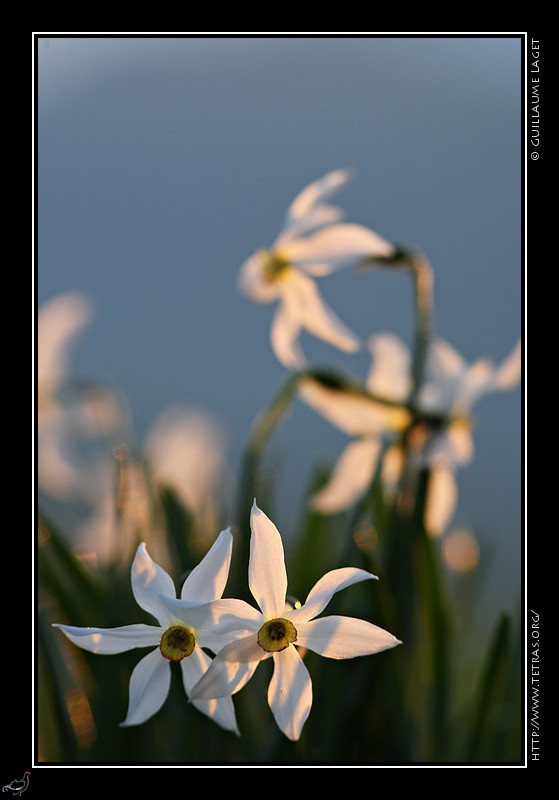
423	285
411	565
432	597
406	500
262	429
422	273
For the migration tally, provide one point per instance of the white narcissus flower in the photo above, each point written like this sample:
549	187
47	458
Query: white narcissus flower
452	386
450	389
174	639
276	630
312	243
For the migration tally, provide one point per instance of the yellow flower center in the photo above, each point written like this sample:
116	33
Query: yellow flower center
276	634
273	265
177	642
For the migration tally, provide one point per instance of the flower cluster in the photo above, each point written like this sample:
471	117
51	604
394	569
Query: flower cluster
434	413
411	416
238	634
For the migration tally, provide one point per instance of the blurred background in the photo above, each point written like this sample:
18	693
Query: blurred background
164	162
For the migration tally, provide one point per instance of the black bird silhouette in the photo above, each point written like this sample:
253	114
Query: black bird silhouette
17	787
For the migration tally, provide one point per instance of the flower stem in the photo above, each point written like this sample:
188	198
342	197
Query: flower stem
411	564
423	285
262	429
405	259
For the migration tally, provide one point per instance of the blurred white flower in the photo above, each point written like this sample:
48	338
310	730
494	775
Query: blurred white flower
452	386
59	320
173	639
312	243
185	450
443	442
276	630
75	468
58	323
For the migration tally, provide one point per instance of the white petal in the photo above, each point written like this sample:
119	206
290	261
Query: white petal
508	374
229	671
391	471
324	589
149	687
344	637
193	667
308	210
107	641
351	476
477	381
441	500
444	360
305	305
389	375
267	576
290	692
58	322
335	247
284	338
149	582
352	413
207	580
318	191
221	709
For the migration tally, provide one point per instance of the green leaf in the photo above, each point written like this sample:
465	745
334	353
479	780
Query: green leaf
490	690
73	586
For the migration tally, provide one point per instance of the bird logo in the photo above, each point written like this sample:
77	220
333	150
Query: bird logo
17	787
